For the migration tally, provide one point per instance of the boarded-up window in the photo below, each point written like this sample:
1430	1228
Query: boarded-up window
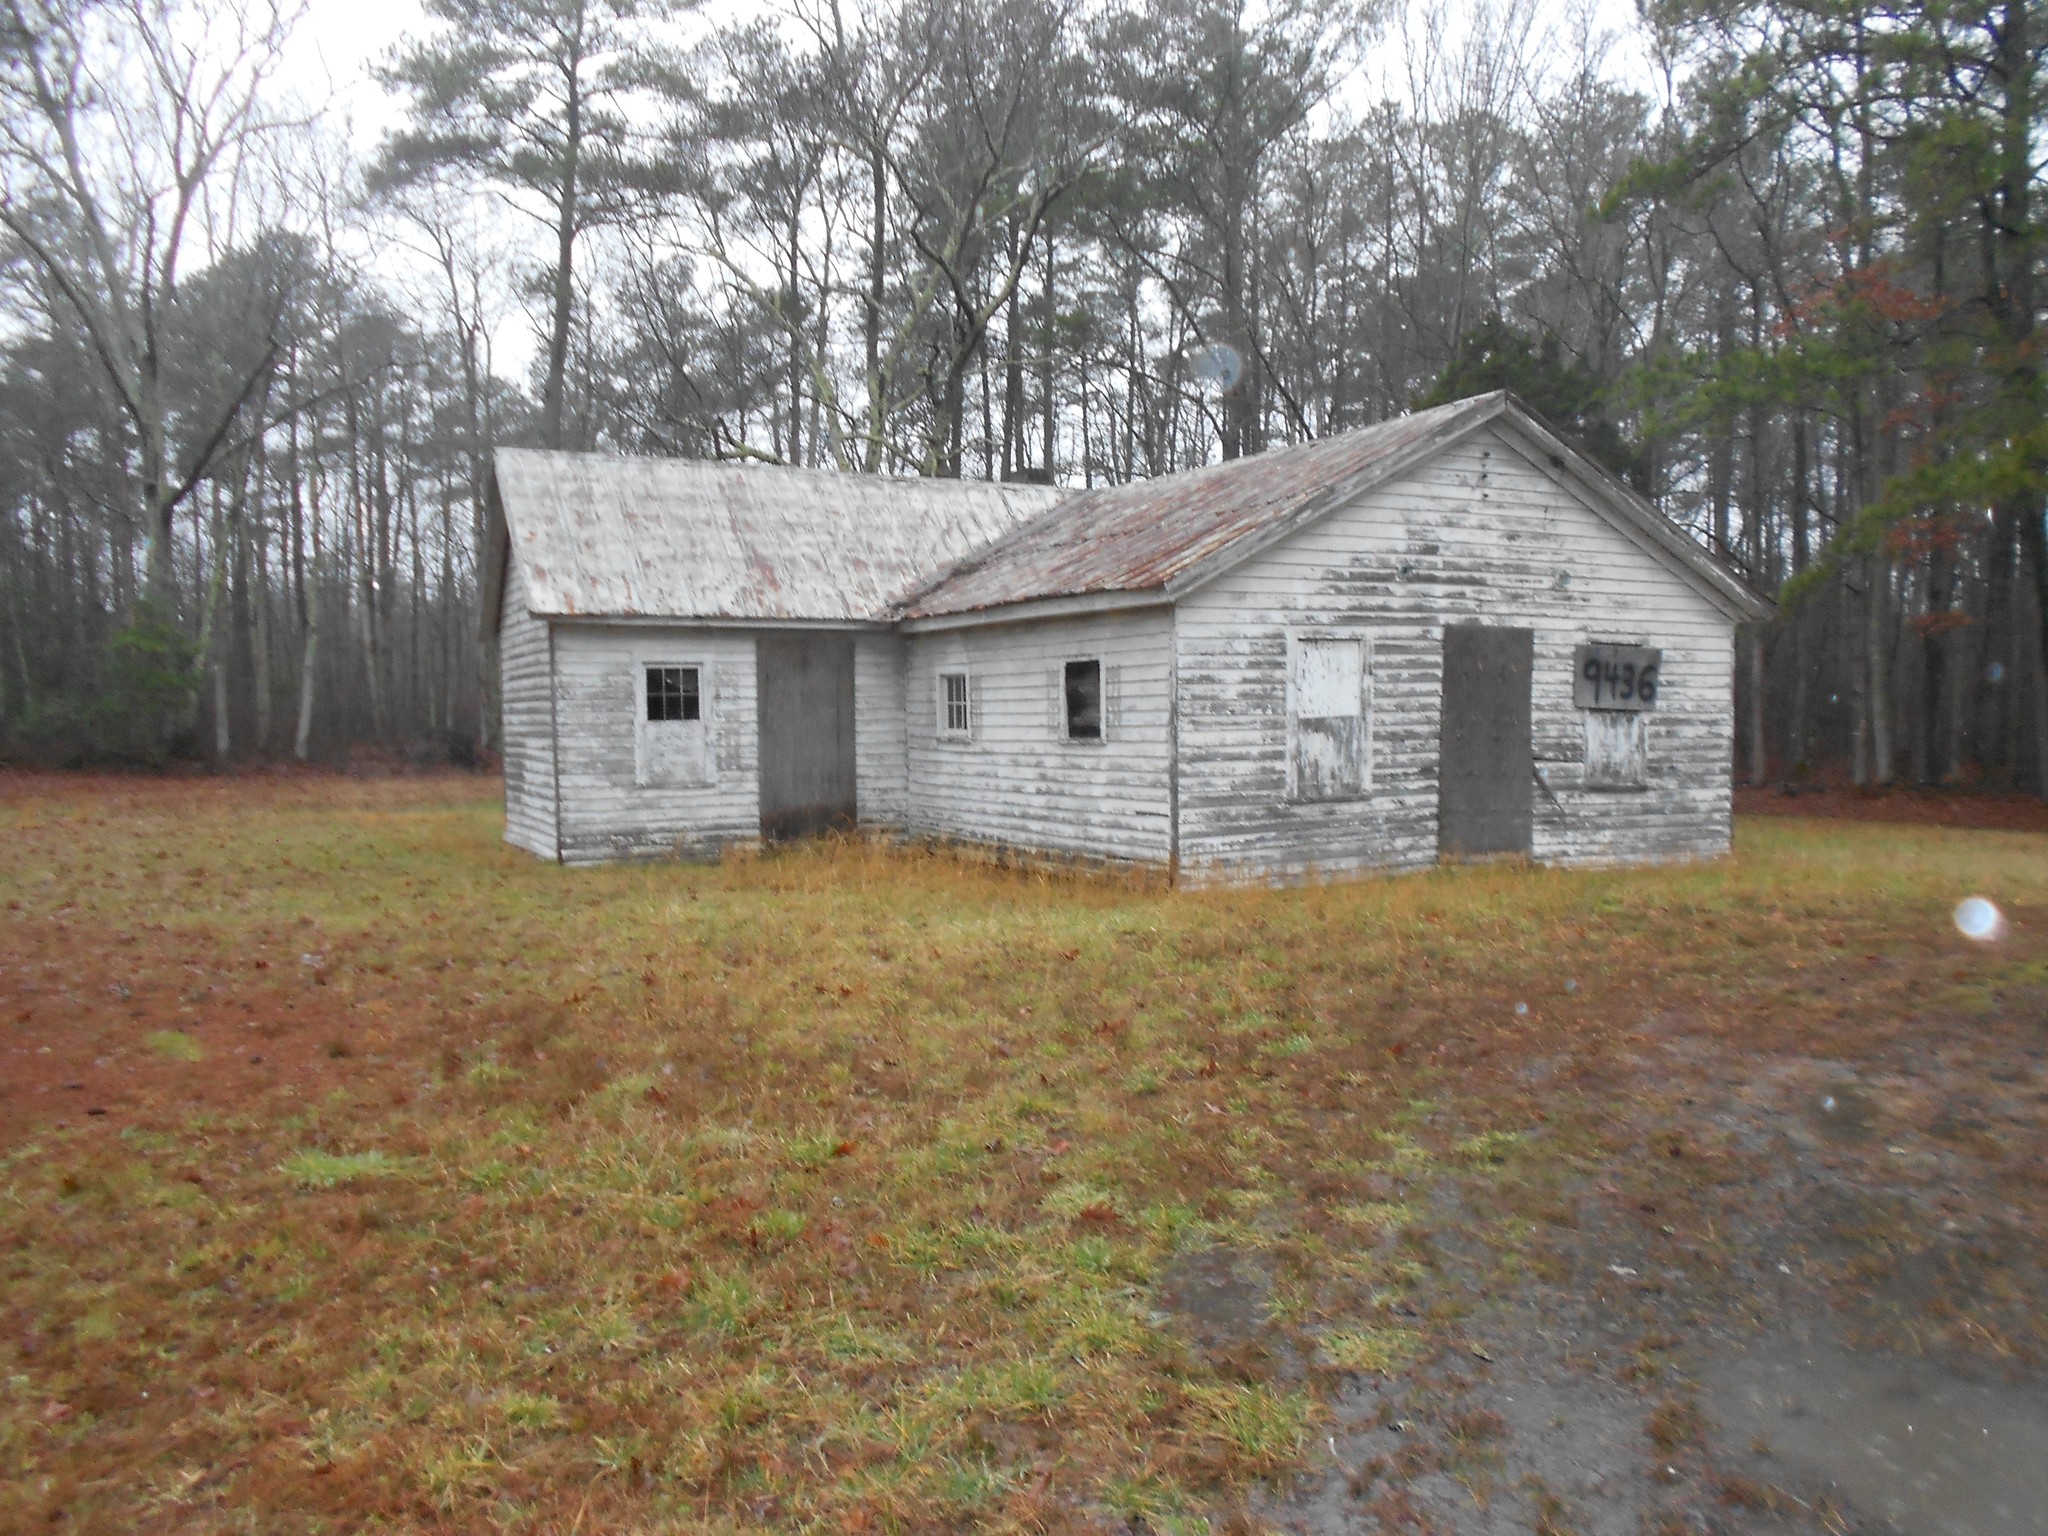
672	737
1329	718
1617	749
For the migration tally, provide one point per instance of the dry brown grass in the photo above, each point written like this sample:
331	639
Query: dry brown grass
821	1190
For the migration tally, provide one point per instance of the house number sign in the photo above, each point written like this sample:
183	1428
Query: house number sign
1616	676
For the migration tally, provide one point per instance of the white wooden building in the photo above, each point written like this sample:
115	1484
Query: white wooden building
1449	635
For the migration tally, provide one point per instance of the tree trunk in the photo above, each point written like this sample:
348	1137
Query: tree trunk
1047	377
1877	635
309	652
2033	615
260	643
567	214
309	667
1759	748
871	320
1855	609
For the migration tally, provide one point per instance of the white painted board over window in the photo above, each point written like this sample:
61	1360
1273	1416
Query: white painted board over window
1329	721
1617	749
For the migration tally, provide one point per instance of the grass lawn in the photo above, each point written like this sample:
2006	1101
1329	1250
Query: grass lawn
358	1172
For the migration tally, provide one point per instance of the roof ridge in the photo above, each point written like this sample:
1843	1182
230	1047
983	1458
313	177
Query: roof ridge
669	463
1181	484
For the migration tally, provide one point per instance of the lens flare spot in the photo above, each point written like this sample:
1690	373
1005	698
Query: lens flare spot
1219	365
1978	919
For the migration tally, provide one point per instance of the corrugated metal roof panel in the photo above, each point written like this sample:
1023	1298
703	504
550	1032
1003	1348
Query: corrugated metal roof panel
602	536
1140	536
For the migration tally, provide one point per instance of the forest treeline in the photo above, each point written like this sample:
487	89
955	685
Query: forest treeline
1792	291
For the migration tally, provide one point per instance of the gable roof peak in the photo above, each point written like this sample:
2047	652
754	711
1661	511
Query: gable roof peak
1150	535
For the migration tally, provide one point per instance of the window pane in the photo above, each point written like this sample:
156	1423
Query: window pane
664	693
956	701
1084	700
672	694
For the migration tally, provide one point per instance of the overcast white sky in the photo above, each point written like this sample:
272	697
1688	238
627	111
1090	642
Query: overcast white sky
338	41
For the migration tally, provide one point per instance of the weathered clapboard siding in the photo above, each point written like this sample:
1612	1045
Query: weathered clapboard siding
605	814
1467	512
1018	782
1483	533
880	764
528	728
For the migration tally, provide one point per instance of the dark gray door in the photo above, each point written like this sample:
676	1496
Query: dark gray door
1484	783
805	700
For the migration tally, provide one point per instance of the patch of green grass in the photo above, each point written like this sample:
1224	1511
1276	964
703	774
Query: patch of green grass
1376	1351
779	1226
1154	1503
529	1410
1375	1218
324	1170
1490	1147
1075	1198
722	1304
175	1044
1261	1429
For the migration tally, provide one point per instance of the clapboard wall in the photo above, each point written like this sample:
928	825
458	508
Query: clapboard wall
528	723
1483	532
880	750
1017	781
605	814
596	673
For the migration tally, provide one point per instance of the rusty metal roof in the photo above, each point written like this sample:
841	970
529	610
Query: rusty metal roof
1163	536
600	536
1141	536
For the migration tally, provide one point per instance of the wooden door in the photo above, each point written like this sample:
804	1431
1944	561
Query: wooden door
805	701
1487	767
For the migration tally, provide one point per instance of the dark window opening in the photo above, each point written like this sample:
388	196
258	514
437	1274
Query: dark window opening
1084	701
956	703
672	693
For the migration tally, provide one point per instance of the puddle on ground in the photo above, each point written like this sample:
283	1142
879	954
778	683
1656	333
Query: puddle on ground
1217	1296
1909	1446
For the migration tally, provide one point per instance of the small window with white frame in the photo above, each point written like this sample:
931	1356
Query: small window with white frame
955	705
674	693
1082	691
